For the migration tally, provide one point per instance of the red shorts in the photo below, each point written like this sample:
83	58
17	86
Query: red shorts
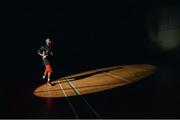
48	68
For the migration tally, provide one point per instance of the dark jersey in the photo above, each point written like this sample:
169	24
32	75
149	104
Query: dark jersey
47	50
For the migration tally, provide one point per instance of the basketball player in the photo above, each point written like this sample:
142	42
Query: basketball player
45	52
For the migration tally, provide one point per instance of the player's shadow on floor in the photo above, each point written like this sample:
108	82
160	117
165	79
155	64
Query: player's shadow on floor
82	76
85	87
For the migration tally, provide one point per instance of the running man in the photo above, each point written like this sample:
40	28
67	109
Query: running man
45	52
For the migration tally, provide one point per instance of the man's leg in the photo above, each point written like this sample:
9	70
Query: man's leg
45	73
49	78
49	71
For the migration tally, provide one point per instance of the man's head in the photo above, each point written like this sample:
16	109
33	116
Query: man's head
48	41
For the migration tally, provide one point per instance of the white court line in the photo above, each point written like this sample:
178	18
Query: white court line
77	92
116	76
72	85
62	89
74	111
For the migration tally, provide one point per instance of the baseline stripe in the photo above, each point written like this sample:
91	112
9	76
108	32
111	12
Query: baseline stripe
69	102
78	93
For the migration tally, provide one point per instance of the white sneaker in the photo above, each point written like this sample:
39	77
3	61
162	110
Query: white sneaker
49	84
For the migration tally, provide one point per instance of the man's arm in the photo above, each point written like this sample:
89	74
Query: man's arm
52	53
41	52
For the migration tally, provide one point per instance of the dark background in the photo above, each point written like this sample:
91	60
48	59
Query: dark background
88	35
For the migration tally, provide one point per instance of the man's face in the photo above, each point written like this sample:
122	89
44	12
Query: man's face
48	41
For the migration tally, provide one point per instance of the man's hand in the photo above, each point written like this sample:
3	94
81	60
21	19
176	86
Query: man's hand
44	56
51	53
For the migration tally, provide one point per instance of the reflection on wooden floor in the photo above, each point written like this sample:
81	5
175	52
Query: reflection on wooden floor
95	80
